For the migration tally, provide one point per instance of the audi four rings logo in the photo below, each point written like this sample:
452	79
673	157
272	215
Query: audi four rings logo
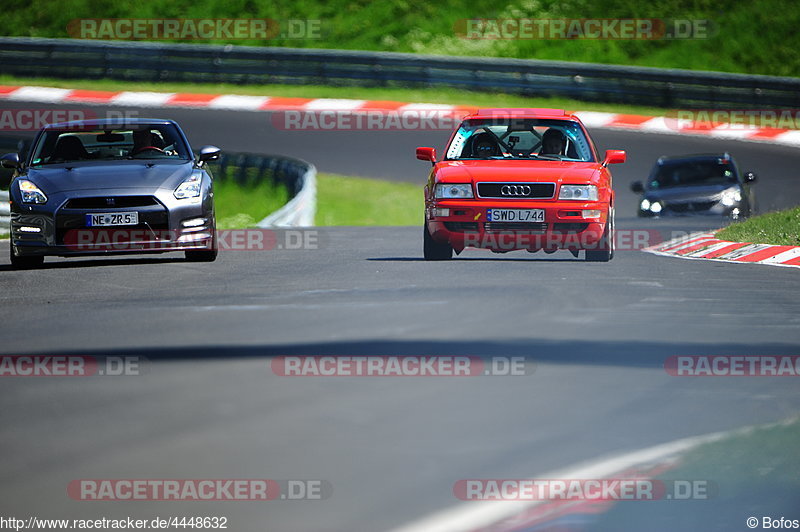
515	190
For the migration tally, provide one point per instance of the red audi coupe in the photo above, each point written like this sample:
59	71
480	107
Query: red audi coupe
514	179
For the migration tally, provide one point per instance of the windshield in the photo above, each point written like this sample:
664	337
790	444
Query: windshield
719	172
520	139
156	141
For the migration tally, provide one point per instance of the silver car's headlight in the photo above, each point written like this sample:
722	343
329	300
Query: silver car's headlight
731	196
31	193
190	188
453	191
578	192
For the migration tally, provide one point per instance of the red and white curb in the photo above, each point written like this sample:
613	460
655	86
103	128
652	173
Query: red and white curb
236	102
229	102
705	246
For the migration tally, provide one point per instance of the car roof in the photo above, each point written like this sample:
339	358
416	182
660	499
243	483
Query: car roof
522	112
114	122
675	159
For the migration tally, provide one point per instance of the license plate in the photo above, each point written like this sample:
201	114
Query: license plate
112	218
515	215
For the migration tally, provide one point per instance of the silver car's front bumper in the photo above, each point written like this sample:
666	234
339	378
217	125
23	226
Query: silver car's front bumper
165	224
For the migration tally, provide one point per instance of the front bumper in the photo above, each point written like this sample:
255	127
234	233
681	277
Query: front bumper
699	207
41	230
564	226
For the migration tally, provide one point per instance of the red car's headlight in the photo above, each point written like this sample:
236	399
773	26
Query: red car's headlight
453	191
578	192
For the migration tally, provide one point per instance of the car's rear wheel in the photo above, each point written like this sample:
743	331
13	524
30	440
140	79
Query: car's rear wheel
605	251
432	249
24	263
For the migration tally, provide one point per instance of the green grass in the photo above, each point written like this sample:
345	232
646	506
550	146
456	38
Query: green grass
240	206
358	201
751	37
759	454
781	228
341	200
750	474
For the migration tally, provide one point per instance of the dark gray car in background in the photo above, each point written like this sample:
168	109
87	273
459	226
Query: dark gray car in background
708	184
95	187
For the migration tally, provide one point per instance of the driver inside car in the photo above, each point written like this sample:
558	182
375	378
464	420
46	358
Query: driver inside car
144	139
553	142
484	146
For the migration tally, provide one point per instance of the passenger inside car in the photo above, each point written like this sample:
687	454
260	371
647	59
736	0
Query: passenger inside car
69	148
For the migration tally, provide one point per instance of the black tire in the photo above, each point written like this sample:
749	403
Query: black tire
201	255
605	251
434	250
24	263
205	255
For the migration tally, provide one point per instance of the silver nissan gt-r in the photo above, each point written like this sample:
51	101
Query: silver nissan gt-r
95	187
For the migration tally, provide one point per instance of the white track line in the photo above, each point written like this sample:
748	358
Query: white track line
470	516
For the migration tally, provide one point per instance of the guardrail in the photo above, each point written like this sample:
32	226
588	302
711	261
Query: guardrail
8	144
298	176
147	61
301	209
5	211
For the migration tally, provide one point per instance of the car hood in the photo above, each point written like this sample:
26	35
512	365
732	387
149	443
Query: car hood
517	170
120	175
687	193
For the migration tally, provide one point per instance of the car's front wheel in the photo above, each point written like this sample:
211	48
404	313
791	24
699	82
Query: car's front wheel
432	249
605	251
24	263
201	255
205	255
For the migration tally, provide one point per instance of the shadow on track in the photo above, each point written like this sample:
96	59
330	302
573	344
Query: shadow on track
641	354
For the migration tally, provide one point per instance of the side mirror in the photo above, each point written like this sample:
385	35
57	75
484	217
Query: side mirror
637	187
427	154
208	153
750	177
10	160
614	157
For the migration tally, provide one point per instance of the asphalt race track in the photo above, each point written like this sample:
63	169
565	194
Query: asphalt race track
208	405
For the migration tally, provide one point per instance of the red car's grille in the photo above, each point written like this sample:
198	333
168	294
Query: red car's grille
517	190
516	227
